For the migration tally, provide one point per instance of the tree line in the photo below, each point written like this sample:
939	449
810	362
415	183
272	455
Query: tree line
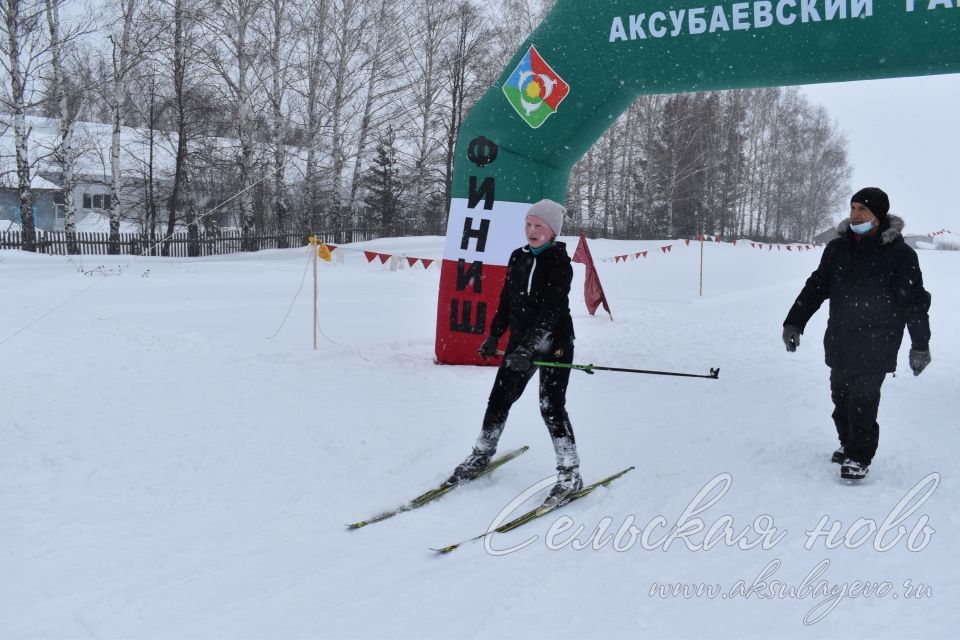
327	114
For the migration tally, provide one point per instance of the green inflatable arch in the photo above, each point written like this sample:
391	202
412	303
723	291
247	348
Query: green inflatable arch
587	62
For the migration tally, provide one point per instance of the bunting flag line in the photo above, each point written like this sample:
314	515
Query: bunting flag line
329	252
397	261
800	247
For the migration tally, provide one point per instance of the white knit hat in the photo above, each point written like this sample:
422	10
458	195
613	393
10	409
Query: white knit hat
550	212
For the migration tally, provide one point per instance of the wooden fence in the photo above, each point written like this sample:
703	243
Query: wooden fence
180	245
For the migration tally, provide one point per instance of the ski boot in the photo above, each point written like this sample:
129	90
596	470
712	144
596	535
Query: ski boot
838	456
568	483
476	462
853	470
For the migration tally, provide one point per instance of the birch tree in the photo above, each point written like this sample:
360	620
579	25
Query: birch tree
314	19
232	55
122	61
65	152
381	86
428	27
277	38
460	62
25	48
348	25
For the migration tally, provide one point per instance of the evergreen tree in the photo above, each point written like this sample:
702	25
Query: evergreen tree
384	185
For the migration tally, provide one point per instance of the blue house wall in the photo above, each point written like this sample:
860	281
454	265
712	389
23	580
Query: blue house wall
44	208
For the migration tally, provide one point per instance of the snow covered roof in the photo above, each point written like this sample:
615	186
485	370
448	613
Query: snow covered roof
93	143
8	180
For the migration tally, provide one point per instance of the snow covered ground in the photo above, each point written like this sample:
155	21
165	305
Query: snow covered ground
167	470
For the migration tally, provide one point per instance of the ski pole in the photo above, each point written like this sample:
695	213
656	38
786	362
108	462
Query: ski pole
590	368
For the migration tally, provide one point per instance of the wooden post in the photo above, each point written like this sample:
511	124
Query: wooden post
701	260
314	248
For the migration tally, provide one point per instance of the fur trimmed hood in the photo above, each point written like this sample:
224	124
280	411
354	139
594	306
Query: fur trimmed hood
894	228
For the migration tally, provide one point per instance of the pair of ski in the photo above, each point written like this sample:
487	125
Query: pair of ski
529	516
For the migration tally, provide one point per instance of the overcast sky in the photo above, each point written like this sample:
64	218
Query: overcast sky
903	136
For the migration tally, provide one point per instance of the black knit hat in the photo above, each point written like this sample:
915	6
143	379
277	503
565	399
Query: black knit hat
874	199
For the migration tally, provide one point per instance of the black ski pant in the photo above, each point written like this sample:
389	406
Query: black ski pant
509	385
856	400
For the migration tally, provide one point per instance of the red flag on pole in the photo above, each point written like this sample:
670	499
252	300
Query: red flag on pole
593	294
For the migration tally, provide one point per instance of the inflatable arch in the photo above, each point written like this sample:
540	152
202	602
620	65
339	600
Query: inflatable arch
587	62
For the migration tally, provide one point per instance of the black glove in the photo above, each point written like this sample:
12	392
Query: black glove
488	349
519	360
919	361
791	337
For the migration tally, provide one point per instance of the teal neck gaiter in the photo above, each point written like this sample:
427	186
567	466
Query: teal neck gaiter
541	249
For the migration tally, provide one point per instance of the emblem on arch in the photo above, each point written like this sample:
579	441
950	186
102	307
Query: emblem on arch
534	89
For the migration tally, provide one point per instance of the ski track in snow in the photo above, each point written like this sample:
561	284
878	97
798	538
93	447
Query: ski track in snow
168	472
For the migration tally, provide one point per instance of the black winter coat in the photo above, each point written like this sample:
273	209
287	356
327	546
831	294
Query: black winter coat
535	300
875	288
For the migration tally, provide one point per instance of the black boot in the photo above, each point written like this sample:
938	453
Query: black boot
476	462
568	483
838	456
853	470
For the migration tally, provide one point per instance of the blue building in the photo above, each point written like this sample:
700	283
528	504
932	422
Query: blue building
48	210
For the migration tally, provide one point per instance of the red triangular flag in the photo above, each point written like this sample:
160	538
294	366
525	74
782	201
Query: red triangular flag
383	257
593	294
687	242
412	261
370	255
789	248
426	263
644	253
753	245
734	242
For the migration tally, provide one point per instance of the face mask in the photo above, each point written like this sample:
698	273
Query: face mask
862	228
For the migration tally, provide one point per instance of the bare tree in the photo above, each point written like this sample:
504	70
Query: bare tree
276	35
381	86
314	17
122	61
65	152
460	61
232	54
25	48
349	21
428	27
180	18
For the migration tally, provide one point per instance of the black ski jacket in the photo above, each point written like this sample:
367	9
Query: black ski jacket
875	288
535	300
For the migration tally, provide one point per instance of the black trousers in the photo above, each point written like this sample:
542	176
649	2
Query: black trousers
856	400
509	385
